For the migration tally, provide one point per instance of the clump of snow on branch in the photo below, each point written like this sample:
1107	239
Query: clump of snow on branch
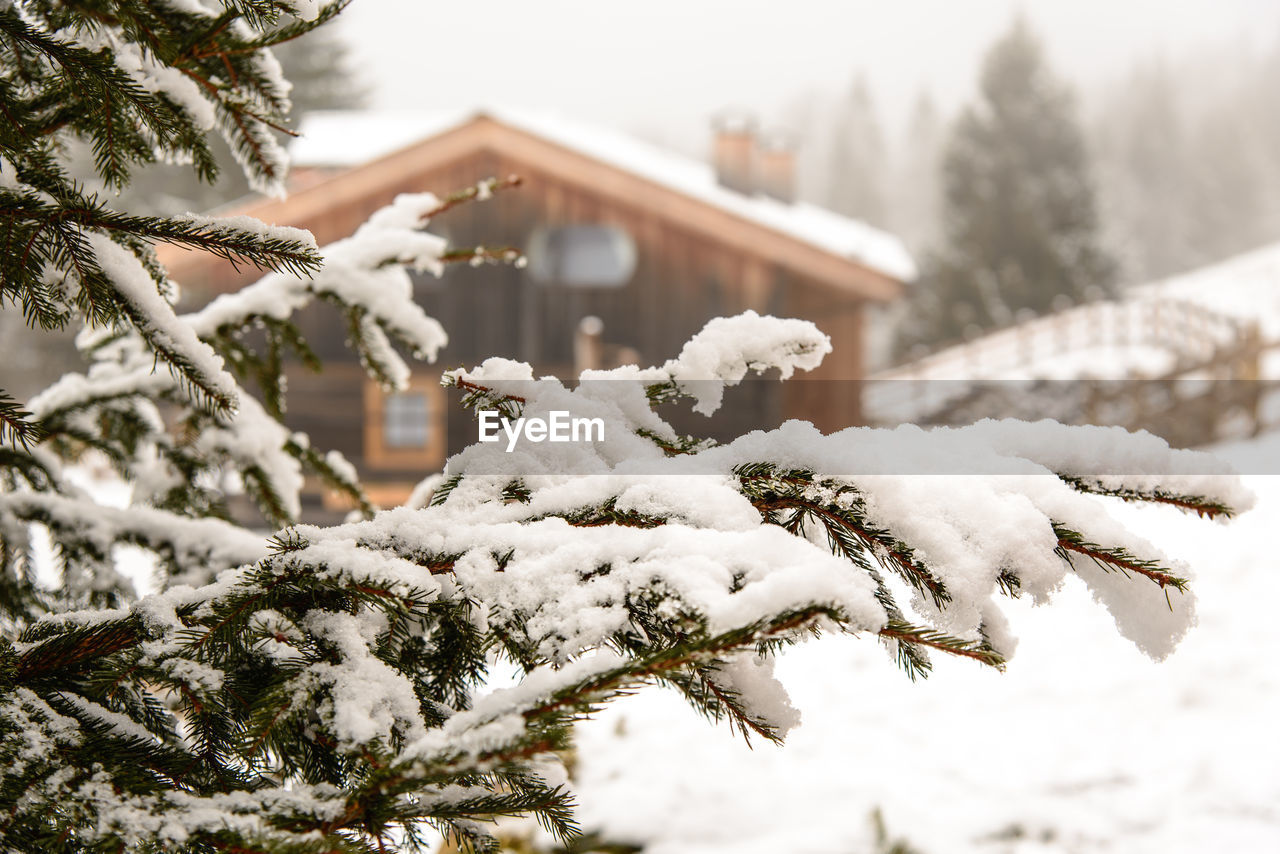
155	319
728	348
368	270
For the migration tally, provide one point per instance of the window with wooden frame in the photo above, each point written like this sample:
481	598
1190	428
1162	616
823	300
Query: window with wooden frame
406	429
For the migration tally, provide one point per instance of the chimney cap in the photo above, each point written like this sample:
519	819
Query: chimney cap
734	120
775	172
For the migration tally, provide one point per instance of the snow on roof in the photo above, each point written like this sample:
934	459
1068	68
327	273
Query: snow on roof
352	138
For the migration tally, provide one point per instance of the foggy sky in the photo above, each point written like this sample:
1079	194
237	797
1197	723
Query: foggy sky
664	66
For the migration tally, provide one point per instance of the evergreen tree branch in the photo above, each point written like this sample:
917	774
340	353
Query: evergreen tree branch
278	251
1113	559
477	396
295	28
1198	504
772	490
16	426
481	191
478	255
977	650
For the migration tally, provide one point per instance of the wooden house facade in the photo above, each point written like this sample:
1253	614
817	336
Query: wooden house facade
652	244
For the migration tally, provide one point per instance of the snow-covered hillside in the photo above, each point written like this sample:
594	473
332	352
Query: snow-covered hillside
1084	745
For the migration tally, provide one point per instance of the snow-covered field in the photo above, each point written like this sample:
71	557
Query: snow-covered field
1083	745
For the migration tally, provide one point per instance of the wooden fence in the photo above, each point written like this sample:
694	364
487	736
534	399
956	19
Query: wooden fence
1176	368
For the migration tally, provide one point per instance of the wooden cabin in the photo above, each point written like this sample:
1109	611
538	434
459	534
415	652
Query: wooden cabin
652	243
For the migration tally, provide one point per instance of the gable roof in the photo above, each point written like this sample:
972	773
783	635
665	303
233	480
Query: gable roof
355	138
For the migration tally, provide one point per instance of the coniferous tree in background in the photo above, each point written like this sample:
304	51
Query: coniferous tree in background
1148	173
1235	186
916	187
1264	90
1261	99
325	690
913	216
1233	191
1019	216
858	162
322	71
1187	152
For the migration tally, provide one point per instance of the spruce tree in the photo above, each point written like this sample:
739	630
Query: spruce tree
916	187
858	162
1147	164
1019	215
328	690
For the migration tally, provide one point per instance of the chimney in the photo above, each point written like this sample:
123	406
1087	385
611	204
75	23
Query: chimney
734	151
776	167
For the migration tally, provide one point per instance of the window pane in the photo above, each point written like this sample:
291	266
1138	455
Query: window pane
583	256
404	421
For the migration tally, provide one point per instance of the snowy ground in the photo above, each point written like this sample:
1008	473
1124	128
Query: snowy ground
1083	745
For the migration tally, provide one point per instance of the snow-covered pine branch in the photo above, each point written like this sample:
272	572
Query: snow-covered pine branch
357	654
365	276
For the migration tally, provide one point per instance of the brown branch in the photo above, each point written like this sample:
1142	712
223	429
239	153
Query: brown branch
211	49
53	655
26	252
1159	576
276	126
624	520
266	731
670	664
238	114
742	720
267	168
231	72
1211	511
467	385
989	657
472	193
1202	507
492	254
